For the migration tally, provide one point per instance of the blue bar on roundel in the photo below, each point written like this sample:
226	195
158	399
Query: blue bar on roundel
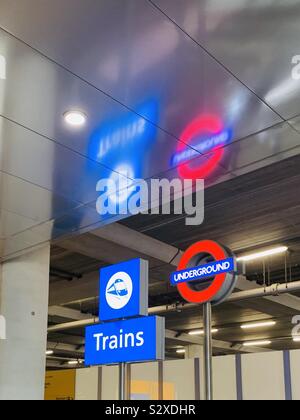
203	271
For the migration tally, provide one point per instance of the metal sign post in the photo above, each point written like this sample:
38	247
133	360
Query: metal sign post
131	336
207	319
223	274
122	381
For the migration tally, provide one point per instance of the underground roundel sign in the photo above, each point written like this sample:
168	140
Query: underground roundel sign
206	273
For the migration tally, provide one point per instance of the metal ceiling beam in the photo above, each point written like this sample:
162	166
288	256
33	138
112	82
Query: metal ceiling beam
217	344
67	313
80	291
63	292
272	291
139	242
120	237
65	348
184	338
88	289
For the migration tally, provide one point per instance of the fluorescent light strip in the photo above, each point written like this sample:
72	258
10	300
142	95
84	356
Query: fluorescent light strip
180	351
49	352
255	325
257	343
201	332
262	254
296	339
75	362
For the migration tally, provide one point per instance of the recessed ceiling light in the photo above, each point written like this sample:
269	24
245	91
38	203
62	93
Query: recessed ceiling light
201	332
75	118
257	343
296	339
255	325
263	254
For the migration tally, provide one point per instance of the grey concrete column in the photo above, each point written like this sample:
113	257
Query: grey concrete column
24	287
194	351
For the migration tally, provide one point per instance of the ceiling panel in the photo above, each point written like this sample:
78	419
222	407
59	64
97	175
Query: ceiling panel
295	122
140	56
271	143
47	164
255	40
113	133
24	205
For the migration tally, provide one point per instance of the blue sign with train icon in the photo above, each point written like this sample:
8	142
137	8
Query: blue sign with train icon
124	290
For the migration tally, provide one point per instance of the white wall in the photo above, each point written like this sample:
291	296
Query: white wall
182	375
263	376
147	375
87	384
295	374
110	383
224	378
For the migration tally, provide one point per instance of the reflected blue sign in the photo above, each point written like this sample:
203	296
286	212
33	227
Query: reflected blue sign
126	141
202	144
135	340
123	145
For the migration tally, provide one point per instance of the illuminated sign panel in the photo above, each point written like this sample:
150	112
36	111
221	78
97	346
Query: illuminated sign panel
203	271
135	340
124	294
124	290
223	270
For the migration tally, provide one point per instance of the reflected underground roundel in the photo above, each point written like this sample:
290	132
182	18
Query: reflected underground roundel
221	286
203	126
119	290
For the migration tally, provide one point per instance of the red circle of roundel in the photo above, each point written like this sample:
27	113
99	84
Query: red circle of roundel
204	124
218	253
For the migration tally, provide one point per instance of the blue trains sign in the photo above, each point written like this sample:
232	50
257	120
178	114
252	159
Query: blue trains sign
124	290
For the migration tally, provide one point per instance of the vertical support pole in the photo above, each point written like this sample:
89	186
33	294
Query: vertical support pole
122	381
99	384
160	380
207	317
128	382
